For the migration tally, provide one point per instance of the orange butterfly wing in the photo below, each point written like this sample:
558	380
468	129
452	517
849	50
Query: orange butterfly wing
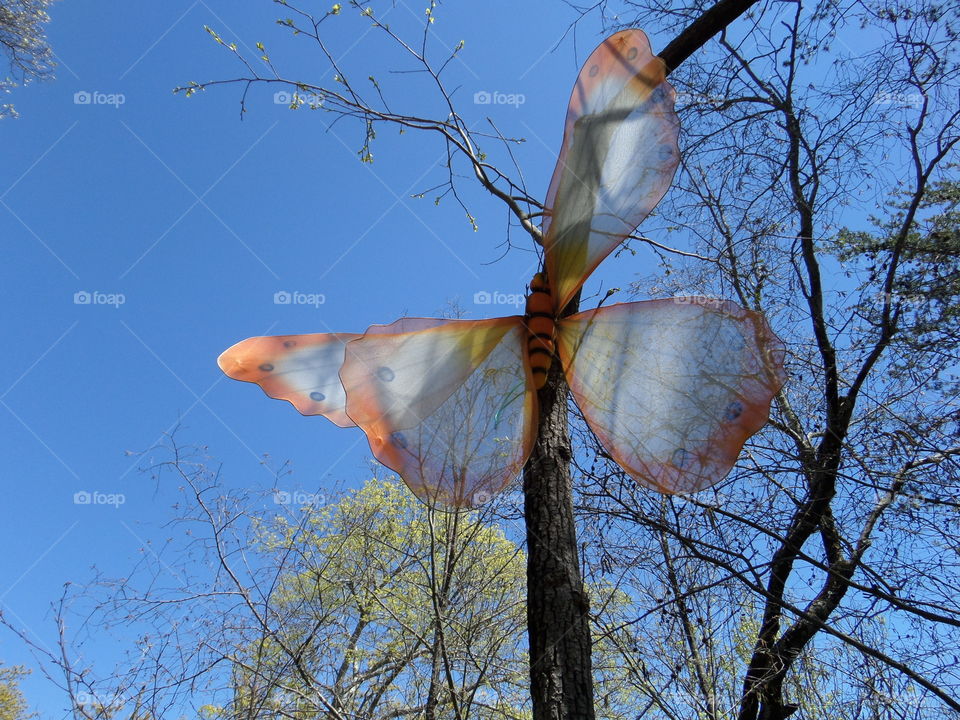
301	369
672	388
617	160
451	407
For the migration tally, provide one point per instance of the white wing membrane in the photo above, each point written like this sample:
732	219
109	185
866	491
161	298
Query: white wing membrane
450	408
618	158
301	369
672	388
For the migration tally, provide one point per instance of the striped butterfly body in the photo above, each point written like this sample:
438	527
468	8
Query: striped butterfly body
671	388
541	328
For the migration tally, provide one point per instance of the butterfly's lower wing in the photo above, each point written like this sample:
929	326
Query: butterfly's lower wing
451	408
301	369
672	388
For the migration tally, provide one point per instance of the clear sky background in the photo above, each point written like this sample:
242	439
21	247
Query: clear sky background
197	219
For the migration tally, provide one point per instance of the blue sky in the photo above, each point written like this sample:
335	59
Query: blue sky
179	223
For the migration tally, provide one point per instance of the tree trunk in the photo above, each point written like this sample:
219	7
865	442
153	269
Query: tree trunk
561	671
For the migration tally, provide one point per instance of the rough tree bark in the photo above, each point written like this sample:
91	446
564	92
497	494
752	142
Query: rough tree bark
561	671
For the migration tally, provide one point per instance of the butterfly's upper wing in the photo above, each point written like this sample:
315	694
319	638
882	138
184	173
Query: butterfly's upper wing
672	388
301	369
617	160
450	407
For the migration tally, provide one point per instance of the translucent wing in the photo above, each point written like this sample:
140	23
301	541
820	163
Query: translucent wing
618	158
672	388
451	408
301	369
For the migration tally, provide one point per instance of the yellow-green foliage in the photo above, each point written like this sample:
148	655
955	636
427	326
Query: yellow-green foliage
13	706
371	582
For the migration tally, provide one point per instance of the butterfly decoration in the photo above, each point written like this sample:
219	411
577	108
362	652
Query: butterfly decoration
671	388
